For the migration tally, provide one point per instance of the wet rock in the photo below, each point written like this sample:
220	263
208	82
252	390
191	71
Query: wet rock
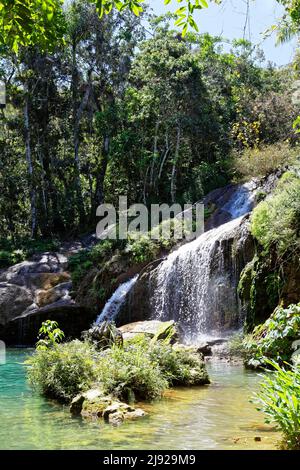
76	405
204	349
37	290
72	319
115	419
152	329
90	404
95	404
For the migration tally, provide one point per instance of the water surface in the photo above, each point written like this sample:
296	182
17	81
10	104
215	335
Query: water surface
218	416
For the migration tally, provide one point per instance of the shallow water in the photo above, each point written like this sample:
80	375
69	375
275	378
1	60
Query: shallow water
218	416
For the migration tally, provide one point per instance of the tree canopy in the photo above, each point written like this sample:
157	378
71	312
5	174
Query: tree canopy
42	22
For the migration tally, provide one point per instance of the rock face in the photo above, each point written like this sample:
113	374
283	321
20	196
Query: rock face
34	291
95	404
262	287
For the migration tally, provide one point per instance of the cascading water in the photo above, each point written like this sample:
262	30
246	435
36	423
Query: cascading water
242	200
197	284
114	304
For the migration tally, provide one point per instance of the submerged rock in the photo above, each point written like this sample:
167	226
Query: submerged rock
95	404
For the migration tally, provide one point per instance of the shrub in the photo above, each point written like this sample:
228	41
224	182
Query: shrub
8	258
79	265
141	248
130	372
279	399
11	255
274	339
260	161
275	222
179	366
64	370
5	259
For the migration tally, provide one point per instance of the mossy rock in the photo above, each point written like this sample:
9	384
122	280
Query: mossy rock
154	330
95	404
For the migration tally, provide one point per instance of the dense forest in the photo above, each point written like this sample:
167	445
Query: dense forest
106	99
122	108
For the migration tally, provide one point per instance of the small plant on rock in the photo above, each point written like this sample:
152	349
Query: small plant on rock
49	335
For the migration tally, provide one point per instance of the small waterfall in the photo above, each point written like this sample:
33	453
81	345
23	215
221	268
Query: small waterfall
243	200
114	304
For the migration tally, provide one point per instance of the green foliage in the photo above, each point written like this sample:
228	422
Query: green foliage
103	336
279	399
140	369
79	265
11	255
8	258
166	137
49	335
131	372
275	221
146	369
31	23
142	249
260	161
274	339
63	370
40	22
178	366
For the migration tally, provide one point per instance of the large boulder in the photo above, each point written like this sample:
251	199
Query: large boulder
37	290
153	329
14	300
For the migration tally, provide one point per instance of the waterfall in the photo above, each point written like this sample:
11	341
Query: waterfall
114	304
197	284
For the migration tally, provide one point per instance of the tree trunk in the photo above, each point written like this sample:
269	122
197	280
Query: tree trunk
99	194
155	152
32	191
174	167
76	128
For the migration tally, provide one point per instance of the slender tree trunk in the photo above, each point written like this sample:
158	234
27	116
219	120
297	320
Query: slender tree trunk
28	155
76	128
155	152
145	187
174	167
99	194
164	156
43	189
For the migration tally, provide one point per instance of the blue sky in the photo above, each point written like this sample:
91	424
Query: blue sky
228	20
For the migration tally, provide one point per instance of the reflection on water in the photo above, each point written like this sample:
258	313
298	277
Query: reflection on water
218	416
